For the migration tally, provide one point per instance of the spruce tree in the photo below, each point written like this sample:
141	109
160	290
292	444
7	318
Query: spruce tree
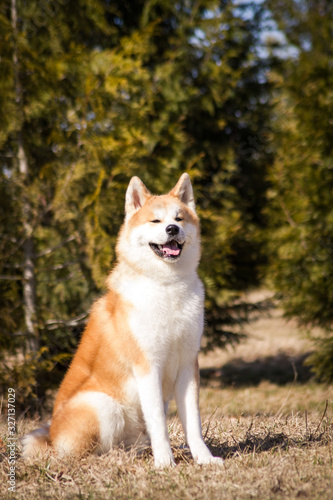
94	95
301	176
73	133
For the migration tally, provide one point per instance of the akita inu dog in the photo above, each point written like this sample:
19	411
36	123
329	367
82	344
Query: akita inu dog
140	346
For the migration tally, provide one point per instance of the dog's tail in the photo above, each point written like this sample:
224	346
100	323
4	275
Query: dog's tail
36	443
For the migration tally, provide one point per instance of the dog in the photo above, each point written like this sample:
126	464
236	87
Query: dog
140	346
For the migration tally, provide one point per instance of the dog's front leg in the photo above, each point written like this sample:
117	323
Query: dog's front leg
187	399
151	399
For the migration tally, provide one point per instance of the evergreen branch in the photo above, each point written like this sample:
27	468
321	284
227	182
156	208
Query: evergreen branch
19	245
286	212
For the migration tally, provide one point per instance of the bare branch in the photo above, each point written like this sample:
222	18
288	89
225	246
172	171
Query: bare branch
11	278
8	238
58	267
52	324
13	266
49	250
59	280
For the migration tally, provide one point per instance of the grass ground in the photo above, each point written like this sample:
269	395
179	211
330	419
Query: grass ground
274	432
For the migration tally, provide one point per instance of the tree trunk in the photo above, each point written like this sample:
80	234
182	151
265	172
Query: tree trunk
29	279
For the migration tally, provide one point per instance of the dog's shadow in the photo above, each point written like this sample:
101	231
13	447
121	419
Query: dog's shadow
250	445
280	369
270	442
253	444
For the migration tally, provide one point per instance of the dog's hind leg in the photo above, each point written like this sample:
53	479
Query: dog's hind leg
89	421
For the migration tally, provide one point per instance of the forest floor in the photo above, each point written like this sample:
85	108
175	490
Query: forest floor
261	411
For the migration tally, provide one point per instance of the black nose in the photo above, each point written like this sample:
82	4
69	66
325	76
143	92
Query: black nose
172	229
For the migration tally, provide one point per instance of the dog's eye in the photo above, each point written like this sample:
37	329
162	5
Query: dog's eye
155	221
178	219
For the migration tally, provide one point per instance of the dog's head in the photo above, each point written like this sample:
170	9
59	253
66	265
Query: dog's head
160	233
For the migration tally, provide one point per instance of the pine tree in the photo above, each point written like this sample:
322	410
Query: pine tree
94	95
302	177
74	131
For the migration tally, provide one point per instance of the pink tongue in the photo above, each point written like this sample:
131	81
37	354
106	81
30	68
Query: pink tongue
171	248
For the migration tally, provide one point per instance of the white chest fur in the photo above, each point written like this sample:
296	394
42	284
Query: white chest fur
166	319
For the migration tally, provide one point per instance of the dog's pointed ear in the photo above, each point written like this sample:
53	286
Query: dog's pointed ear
183	190
136	195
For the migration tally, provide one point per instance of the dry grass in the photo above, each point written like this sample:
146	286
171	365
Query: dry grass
276	439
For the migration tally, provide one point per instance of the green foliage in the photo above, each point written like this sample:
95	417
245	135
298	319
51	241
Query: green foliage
23	374
321	360
301	177
96	92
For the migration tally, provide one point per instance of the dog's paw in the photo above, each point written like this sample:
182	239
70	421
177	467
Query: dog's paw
163	461
218	461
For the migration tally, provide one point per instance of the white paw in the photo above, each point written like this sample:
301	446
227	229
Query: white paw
163	461
210	461
162	464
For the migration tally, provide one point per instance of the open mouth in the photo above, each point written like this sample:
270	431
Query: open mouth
169	251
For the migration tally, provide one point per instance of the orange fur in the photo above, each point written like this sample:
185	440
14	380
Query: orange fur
152	204
106	355
75	429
